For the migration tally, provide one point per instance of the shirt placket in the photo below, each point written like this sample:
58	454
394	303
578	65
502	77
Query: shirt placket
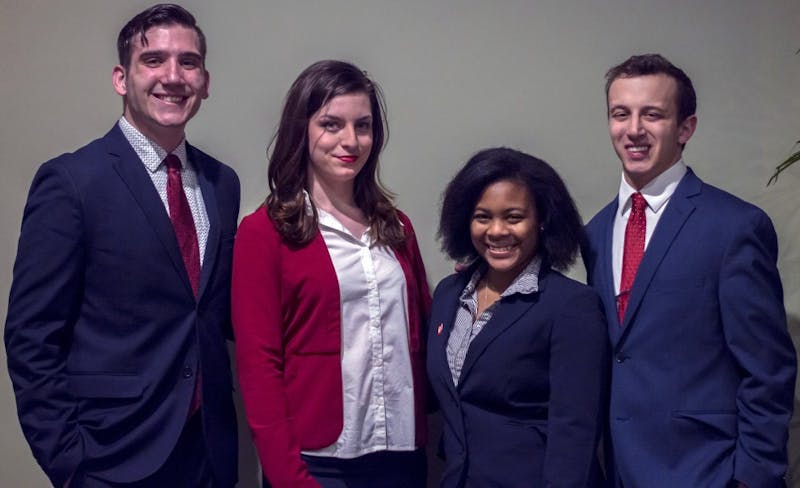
376	345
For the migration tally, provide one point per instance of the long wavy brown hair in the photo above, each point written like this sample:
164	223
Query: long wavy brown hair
289	161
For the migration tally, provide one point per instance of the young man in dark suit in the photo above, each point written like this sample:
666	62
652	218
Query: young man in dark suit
703	367
120	303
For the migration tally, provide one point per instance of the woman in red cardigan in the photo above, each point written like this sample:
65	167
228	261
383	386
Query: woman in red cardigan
330	298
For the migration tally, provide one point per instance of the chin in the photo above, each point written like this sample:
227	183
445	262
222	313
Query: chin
501	267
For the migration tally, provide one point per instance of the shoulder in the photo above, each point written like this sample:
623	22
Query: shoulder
600	219
448	281
76	171
93	154
566	293
445	291
578	305
259	224
405	222
728	216
456	281
210	165
256	240
557	281
722	201
410	245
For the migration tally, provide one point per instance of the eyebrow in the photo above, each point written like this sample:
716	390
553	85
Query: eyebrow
165	53
327	115
505	210
645	108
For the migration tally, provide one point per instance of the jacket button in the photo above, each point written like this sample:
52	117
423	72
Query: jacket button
187	372
619	357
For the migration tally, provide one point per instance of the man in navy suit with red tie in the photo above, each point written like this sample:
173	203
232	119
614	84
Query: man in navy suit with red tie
120	303
703	367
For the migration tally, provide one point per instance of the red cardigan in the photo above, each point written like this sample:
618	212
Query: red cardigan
286	318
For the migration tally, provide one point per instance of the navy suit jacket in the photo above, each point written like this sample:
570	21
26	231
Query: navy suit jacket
529	406
104	335
703	373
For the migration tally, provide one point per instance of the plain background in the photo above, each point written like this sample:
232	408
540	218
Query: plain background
458	76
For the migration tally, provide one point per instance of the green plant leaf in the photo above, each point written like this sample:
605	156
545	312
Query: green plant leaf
781	167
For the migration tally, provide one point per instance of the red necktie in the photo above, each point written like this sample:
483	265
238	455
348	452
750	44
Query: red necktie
633	251
182	220
183	223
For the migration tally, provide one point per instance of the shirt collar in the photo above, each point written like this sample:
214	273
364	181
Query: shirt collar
151	154
525	283
327	220
657	192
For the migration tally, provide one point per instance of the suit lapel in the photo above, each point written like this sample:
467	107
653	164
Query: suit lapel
443	316
508	310
212	210
132	171
678	210
605	281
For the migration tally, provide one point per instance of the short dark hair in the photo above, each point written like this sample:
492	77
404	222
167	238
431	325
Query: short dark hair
563	229
655	64
157	15
287	171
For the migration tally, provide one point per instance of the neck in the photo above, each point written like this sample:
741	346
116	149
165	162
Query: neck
497	282
329	197
640	182
167	139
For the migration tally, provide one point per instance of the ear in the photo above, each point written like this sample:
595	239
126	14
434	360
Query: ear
118	79
204	92
686	129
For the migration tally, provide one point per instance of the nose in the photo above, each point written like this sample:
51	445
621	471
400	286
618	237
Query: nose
348	137
635	127
497	227
172	72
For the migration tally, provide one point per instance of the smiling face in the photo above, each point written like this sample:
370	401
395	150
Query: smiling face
505	229
340	139
164	84
644	126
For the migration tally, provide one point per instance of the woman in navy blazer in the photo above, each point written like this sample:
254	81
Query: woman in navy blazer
517	352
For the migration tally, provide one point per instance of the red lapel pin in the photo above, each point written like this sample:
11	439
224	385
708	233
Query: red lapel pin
439	329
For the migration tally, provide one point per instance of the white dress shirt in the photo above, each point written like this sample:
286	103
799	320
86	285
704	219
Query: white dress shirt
152	155
377	385
657	194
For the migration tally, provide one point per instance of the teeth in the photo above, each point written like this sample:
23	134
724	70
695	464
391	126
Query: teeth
501	249
638	148
171	99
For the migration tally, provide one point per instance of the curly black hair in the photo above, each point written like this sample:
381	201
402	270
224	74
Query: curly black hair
562	232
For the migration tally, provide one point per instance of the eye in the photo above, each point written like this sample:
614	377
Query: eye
151	61
652	115
515	218
619	115
190	63
480	218
330	125
364	127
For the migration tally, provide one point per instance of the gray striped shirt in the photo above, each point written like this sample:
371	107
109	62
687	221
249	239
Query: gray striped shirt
467	326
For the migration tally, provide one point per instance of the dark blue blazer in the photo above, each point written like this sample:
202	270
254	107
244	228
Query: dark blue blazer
104	336
529	405
703	373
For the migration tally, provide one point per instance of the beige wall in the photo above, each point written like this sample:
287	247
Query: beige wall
458	76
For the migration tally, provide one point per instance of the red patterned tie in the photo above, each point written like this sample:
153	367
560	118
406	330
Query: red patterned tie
182	220
183	223
633	251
